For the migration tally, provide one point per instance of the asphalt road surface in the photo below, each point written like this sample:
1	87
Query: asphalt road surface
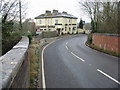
69	63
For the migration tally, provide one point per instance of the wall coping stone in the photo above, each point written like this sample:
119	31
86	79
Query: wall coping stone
107	34
12	60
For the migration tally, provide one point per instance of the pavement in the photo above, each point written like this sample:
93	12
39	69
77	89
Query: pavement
69	63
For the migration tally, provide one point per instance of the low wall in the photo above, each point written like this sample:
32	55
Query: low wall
107	42
48	34
80	30
15	66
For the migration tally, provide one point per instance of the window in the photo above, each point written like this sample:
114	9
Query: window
69	20
65	28
69	28
56	21
74	28
40	21
48	21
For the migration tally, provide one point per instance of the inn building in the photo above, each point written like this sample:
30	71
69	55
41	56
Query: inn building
63	22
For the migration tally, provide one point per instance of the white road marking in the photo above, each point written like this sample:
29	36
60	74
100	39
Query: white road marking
67	48
77	57
73	53
43	70
108	76
43	73
66	43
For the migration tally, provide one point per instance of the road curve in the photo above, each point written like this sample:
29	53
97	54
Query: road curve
69	63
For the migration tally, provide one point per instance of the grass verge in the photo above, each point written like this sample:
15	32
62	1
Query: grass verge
102	50
35	50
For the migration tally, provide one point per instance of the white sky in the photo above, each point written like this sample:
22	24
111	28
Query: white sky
37	7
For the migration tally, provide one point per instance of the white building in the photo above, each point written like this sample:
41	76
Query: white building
62	22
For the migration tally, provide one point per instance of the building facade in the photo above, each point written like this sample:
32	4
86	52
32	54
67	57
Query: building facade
63	22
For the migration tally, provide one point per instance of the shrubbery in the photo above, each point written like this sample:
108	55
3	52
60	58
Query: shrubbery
89	39
10	37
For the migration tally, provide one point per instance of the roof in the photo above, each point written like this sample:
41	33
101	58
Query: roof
55	15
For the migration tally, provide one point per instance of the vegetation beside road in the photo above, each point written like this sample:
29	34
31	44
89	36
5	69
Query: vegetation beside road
11	21
35	50
104	16
104	19
34	62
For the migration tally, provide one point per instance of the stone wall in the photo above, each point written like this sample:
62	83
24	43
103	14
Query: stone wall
108	42
22	78
15	66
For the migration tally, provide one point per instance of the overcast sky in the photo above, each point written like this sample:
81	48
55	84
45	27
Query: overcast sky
37	7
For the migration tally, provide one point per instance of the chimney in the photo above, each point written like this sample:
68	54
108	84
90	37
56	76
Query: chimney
48	12
55	11
64	12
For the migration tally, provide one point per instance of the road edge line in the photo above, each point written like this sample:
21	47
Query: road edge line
43	70
43	73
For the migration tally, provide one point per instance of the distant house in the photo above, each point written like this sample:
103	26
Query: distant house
63	22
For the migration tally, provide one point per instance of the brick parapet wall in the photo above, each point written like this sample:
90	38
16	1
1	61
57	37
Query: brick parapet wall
108	42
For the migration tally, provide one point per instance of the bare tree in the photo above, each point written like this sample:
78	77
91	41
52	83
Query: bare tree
12	12
11	9
103	15
8	10
92	9
118	17
29	26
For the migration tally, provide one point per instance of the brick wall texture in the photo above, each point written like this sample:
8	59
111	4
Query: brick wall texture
107	42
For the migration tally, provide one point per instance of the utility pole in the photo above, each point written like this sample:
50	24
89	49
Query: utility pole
20	15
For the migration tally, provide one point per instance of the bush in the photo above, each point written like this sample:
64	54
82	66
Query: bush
89	39
29	35
9	40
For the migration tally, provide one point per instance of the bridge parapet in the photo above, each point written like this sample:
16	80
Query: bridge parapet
12	63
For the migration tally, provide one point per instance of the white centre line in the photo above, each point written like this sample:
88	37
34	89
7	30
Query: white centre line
73	53
66	43
77	57
108	76
66	47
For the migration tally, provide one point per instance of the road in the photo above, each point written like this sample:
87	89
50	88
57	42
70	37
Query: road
69	63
